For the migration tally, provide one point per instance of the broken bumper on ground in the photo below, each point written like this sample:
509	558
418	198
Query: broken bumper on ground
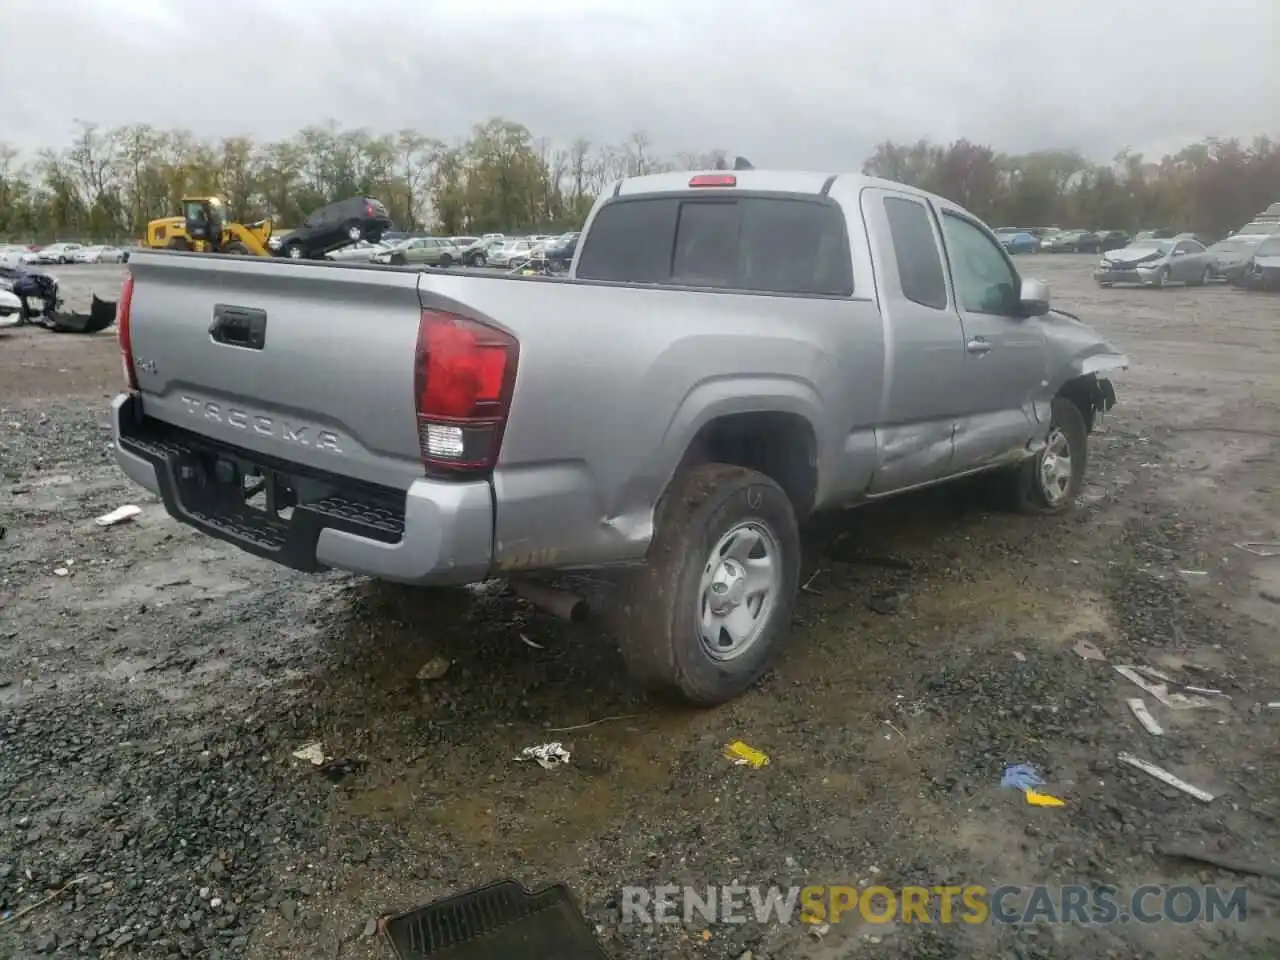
433	533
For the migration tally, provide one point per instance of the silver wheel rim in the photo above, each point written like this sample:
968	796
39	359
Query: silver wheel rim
1055	467
739	590
295	253
354	233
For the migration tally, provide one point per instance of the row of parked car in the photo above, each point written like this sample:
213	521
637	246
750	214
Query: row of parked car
1249	258
1057	240
13	254
491	250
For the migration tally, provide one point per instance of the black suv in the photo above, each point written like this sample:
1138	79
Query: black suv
1111	240
335	226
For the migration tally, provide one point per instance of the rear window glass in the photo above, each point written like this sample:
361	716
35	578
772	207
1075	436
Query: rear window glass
1268	248
762	244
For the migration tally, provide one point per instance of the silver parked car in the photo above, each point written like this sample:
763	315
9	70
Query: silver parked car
53	253
1155	263
512	251
99	254
1230	256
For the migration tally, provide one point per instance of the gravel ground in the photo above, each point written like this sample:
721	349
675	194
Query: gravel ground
153	692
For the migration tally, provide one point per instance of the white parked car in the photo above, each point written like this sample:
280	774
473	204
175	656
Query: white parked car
11	254
53	253
509	252
99	254
10	309
361	252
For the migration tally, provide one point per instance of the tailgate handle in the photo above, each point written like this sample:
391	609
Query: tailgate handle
239	326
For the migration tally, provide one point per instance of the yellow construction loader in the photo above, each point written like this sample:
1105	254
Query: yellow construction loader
204	228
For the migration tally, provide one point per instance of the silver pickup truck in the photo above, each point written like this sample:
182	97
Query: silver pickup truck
729	353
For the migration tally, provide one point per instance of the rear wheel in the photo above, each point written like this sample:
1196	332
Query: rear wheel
479	260
1205	277
179	243
446	260
352	230
711	610
293	251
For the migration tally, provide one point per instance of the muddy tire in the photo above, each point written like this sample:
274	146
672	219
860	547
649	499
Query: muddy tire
1051	480
709	613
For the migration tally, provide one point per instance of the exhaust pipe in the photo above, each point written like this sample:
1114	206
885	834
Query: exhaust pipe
562	603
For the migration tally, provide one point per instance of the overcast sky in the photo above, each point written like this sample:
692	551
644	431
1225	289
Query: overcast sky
798	83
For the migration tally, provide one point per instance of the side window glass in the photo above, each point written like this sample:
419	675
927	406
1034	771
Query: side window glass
985	283
916	251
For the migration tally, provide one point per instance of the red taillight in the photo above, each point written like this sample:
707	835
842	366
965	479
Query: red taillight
714	180
368	210
464	375
123	331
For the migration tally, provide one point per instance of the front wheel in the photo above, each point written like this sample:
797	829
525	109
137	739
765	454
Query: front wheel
293	251
479	260
236	248
446	261
1161	279
1051	480
711	610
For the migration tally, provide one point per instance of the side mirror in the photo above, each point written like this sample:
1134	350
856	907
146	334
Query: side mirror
1033	299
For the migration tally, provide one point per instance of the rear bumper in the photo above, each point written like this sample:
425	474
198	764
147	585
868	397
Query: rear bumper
433	533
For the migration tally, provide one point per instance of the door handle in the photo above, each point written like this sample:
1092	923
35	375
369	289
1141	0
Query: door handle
239	326
978	345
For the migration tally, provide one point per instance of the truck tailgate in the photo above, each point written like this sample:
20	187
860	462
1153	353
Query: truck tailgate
307	363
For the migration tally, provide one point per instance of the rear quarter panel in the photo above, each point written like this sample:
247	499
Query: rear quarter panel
615	381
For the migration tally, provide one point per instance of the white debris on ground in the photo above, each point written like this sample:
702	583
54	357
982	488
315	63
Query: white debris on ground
312	752
546	755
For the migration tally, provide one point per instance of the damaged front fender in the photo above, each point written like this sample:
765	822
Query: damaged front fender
1076	357
1076	350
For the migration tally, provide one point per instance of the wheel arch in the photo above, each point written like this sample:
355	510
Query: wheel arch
767	425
